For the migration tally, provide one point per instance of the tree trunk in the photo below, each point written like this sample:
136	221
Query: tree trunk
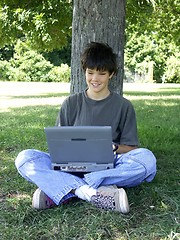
100	21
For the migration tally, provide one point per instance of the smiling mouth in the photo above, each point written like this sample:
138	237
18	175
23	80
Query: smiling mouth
95	84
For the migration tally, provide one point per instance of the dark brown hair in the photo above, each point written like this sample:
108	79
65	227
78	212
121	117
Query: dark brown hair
99	56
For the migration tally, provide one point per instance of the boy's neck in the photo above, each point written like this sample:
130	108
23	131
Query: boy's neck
97	96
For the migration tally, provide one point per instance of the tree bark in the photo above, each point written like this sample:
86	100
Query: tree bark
99	21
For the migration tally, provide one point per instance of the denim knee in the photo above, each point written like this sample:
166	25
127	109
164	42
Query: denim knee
148	159
29	155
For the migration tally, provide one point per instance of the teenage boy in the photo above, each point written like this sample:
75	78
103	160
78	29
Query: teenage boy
95	106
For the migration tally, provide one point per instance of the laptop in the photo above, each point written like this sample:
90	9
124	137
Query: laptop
80	148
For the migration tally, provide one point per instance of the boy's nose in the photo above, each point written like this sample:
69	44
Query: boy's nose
94	77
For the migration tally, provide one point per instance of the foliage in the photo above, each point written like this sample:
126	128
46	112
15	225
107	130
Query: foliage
141	49
47	24
172	70
154	207
28	65
154	16
58	56
6	53
60	74
4	70
44	25
152	32
166	21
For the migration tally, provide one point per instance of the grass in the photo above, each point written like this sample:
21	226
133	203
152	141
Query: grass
154	206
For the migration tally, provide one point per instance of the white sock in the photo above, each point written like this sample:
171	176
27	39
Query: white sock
85	192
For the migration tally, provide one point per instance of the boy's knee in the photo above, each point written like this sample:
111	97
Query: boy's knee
23	157
26	156
149	160
148	156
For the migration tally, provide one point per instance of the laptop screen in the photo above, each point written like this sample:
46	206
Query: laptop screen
80	148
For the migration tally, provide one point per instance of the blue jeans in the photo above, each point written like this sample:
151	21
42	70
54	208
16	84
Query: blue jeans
131	169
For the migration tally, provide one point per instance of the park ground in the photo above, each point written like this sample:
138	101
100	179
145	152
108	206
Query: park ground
12	94
27	107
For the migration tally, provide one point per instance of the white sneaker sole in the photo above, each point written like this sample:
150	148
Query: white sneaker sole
36	197
124	206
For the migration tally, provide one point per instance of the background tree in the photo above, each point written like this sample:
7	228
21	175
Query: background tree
152	35
46	27
157	16
101	21
46	24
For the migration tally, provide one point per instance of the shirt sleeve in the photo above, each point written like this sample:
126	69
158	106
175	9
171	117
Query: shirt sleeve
62	117
129	130
125	132
68	111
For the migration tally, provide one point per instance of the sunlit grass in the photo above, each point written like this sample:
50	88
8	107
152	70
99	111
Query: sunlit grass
154	206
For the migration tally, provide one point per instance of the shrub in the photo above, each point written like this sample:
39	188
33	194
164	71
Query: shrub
60	74
4	70
17	75
30	66
172	71
146	47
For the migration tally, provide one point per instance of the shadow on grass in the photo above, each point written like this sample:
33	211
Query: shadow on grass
43	95
160	92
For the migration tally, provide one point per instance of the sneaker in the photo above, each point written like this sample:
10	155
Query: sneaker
41	200
111	198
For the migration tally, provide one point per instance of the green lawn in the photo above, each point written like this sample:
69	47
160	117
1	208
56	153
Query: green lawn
154	206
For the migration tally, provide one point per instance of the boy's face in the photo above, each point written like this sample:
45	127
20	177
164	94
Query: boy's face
97	81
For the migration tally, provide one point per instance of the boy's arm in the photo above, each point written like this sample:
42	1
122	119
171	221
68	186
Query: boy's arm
125	148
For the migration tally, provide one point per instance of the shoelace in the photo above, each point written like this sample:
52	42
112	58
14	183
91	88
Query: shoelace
104	202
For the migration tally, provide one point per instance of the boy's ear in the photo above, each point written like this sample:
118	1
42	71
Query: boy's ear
111	75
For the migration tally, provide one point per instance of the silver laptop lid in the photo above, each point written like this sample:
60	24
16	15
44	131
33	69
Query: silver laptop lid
80	148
